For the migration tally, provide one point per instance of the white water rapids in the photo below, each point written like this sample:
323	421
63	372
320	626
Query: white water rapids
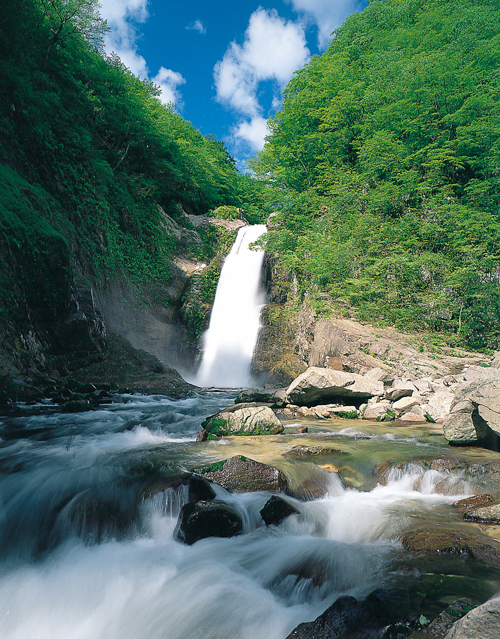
229	342
88	551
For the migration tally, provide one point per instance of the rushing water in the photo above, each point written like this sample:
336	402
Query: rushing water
87	522
234	324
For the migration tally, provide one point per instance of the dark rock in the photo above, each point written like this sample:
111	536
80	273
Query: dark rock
207	519
273	396
276	510
240	474
76	406
302	429
438	628
342	616
199	489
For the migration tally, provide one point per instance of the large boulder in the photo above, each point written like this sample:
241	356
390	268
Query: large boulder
274	396
317	384
481	623
207	519
243	419
241	475
475	413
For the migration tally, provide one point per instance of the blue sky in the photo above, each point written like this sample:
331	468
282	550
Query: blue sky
223	63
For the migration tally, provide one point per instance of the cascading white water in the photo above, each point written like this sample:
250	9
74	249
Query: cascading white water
234	324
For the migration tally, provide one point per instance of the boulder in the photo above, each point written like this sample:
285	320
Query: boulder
404	404
276	509
376	412
481	372
243	419
241	475
317	384
438	404
475	413
481	623
400	388
207	519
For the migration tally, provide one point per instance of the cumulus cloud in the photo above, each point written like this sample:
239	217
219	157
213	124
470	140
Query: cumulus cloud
123	18
252	132
197	25
169	80
328	15
273	49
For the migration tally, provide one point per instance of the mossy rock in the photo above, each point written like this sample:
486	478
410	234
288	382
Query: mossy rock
243	419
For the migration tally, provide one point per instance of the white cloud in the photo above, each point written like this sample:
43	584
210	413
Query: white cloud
169	81
123	16
328	15
197	25
253	132
273	49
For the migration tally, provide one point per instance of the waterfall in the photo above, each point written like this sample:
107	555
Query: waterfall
229	342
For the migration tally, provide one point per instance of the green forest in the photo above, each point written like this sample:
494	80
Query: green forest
385	161
90	161
381	169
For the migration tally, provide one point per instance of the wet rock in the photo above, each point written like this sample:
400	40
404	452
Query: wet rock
273	396
476	501
385	613
240	475
199	489
276	510
434	542
76	406
243	419
207	519
317	384
481	623
311	451
202	436
342	616
484	515
302	429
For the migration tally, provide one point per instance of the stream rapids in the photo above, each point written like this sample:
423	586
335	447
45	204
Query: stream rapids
86	526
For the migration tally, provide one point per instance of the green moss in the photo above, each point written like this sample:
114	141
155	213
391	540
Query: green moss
211	468
215	426
350	414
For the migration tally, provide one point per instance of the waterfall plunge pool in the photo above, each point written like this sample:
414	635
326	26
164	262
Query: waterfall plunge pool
86	540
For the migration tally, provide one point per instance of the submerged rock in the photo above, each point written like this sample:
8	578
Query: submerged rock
317	384
240	475
207	519
243	419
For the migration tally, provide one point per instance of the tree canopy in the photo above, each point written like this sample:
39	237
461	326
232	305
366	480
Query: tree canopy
385	157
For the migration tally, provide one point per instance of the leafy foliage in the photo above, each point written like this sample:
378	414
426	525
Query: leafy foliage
101	164
385	162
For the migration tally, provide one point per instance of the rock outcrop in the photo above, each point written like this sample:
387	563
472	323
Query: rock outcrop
475	412
320	384
204	519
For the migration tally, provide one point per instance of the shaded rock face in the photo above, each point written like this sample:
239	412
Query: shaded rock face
207	519
243	419
240	474
481	623
317	384
475	414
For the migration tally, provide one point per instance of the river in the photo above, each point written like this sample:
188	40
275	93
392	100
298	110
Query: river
87	527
